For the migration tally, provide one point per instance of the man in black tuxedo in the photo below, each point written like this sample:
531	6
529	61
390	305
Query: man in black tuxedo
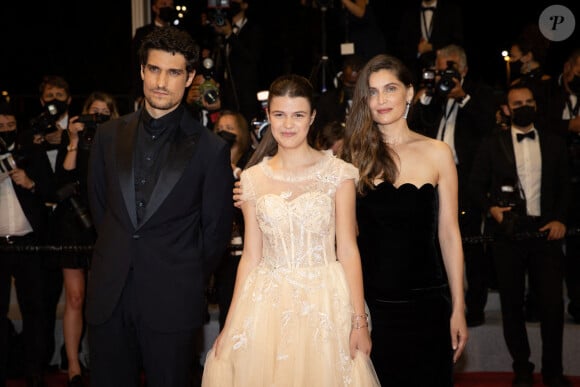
520	175
159	188
428	25
25	185
242	70
460	111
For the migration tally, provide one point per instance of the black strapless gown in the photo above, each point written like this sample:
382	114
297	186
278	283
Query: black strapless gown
405	286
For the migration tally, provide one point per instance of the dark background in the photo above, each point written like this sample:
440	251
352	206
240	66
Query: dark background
88	42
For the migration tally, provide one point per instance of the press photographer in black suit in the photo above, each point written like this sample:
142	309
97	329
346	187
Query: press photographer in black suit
459	110
25	184
520	176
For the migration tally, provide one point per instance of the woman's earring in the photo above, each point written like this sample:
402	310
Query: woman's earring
407	108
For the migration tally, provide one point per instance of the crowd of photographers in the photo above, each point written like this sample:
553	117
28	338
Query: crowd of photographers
43	171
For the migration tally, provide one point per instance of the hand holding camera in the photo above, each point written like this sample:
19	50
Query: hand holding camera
445	82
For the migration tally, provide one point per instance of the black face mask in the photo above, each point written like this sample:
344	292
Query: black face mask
574	85
8	137
55	108
228	136
167	14
523	116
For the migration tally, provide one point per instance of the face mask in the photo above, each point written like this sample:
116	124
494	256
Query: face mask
55	107
100	118
228	136
167	14
523	116
8	137
574	85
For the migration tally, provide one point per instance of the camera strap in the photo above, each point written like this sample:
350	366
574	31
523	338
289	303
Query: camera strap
508	151
446	114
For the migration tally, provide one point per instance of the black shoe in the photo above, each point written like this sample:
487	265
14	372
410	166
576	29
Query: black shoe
475	319
523	380
76	381
557	381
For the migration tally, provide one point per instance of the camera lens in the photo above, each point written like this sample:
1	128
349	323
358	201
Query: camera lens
211	96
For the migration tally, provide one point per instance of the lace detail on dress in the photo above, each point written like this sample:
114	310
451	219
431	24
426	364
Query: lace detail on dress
292	322
296	211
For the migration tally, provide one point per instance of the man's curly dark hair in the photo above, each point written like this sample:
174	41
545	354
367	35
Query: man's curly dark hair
173	40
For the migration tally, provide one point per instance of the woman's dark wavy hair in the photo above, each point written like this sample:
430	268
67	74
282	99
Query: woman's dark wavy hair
173	40
290	85
363	144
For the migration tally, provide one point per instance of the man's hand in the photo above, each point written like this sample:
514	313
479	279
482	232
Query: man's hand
238	194
556	230
497	212
54	137
19	177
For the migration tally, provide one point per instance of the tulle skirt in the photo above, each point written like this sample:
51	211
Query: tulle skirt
291	327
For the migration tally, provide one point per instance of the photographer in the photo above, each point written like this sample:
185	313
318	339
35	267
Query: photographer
242	49
203	96
25	184
73	222
536	162
460	111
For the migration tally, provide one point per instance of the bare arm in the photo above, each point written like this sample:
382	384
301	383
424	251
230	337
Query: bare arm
357	8
349	257
451	248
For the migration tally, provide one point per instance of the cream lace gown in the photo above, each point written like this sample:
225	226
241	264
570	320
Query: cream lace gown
292	323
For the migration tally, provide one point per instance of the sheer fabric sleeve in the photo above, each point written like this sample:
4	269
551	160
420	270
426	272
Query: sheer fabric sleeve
248	188
348	171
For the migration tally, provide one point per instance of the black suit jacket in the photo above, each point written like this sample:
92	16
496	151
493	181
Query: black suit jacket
179	241
494	164
245	69
474	121
447	29
34	161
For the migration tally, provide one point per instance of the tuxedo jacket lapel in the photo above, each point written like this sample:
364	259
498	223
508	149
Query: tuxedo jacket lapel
180	153
124	155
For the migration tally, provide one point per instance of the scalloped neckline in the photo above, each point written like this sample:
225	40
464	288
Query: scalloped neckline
303	174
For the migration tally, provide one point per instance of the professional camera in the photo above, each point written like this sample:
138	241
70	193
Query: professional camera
71	192
208	90
45	123
261	124
91	122
218	11
9	160
445	83
509	196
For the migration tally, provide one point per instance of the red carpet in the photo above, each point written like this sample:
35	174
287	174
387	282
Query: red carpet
497	379
467	379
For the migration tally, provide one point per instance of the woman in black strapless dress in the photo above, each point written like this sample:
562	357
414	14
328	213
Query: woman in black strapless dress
409	237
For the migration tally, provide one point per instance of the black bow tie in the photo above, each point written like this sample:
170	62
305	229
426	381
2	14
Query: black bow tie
531	135
428	9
